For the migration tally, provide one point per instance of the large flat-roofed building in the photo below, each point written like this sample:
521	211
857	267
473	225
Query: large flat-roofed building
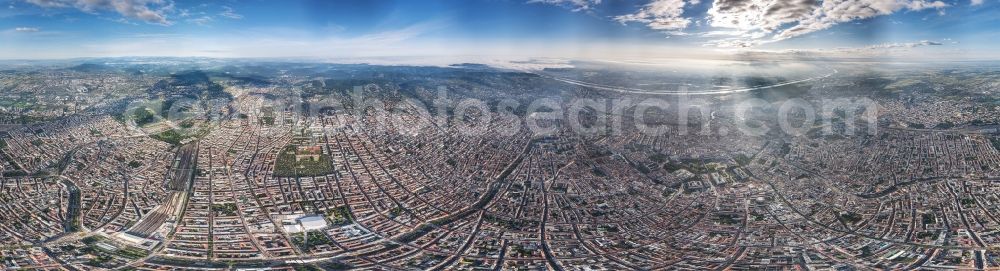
313	222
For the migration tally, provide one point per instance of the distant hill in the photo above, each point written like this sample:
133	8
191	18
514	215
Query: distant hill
91	67
475	66
192	84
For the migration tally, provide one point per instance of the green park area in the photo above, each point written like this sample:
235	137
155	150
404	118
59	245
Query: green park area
309	241
170	136
305	161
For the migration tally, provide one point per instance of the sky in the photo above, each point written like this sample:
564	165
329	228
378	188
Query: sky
570	29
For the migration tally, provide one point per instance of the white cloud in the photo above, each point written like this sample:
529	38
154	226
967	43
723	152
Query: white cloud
976	2
924	49
150	11
733	43
905	45
721	33
576	5
762	15
764	21
840	11
228	12
119	20
664	15
882	47
203	20
26	29
269	42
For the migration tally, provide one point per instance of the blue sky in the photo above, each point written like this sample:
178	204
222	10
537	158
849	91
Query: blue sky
606	29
